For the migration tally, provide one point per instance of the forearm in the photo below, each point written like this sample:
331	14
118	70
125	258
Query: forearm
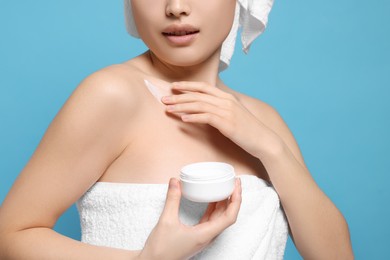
44	243
318	228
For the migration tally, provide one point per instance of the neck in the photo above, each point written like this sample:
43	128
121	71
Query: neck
206	71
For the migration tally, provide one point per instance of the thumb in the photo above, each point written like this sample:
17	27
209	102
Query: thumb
172	203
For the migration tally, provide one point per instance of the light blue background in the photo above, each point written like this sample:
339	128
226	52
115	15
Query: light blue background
324	65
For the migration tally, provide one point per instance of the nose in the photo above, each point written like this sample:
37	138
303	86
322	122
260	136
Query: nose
177	8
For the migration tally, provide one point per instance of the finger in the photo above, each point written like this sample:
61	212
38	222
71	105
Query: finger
219	210
208	212
202	87
192	97
197	107
172	203
235	200
215	226
214	120
222	205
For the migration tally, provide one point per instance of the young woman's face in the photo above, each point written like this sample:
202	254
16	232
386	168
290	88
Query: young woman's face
183	32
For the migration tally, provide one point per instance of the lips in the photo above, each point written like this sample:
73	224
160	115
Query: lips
179	30
180	35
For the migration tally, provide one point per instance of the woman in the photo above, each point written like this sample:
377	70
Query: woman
103	144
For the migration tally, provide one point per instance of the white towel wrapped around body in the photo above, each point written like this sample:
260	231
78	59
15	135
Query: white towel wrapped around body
122	215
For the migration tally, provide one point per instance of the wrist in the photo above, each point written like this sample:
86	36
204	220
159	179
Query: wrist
149	254
272	149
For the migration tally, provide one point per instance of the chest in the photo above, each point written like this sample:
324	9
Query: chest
159	145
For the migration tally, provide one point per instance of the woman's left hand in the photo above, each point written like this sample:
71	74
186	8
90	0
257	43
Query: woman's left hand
199	102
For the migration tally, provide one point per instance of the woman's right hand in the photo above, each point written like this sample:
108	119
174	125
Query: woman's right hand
170	239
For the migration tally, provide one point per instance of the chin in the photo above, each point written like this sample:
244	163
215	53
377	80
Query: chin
183	63
185	59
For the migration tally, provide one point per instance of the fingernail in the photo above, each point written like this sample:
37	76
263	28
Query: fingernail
175	84
173	183
185	118
171	108
166	99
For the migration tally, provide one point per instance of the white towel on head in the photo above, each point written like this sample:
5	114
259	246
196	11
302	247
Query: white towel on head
250	15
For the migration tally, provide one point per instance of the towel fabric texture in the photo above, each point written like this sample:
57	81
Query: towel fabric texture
122	215
250	15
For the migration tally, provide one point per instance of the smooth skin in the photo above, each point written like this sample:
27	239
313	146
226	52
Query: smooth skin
112	129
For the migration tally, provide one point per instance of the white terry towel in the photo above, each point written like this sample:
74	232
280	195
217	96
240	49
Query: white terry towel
123	215
250	15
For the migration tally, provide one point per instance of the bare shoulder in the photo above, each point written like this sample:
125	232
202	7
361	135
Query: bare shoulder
115	84
92	127
263	111
270	117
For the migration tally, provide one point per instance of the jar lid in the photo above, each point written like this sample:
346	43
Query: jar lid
206	172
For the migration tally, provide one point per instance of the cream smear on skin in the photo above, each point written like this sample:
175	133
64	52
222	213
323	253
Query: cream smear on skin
163	89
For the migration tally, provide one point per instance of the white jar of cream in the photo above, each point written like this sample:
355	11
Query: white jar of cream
207	181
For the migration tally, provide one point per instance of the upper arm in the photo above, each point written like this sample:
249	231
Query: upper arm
88	133
279	126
